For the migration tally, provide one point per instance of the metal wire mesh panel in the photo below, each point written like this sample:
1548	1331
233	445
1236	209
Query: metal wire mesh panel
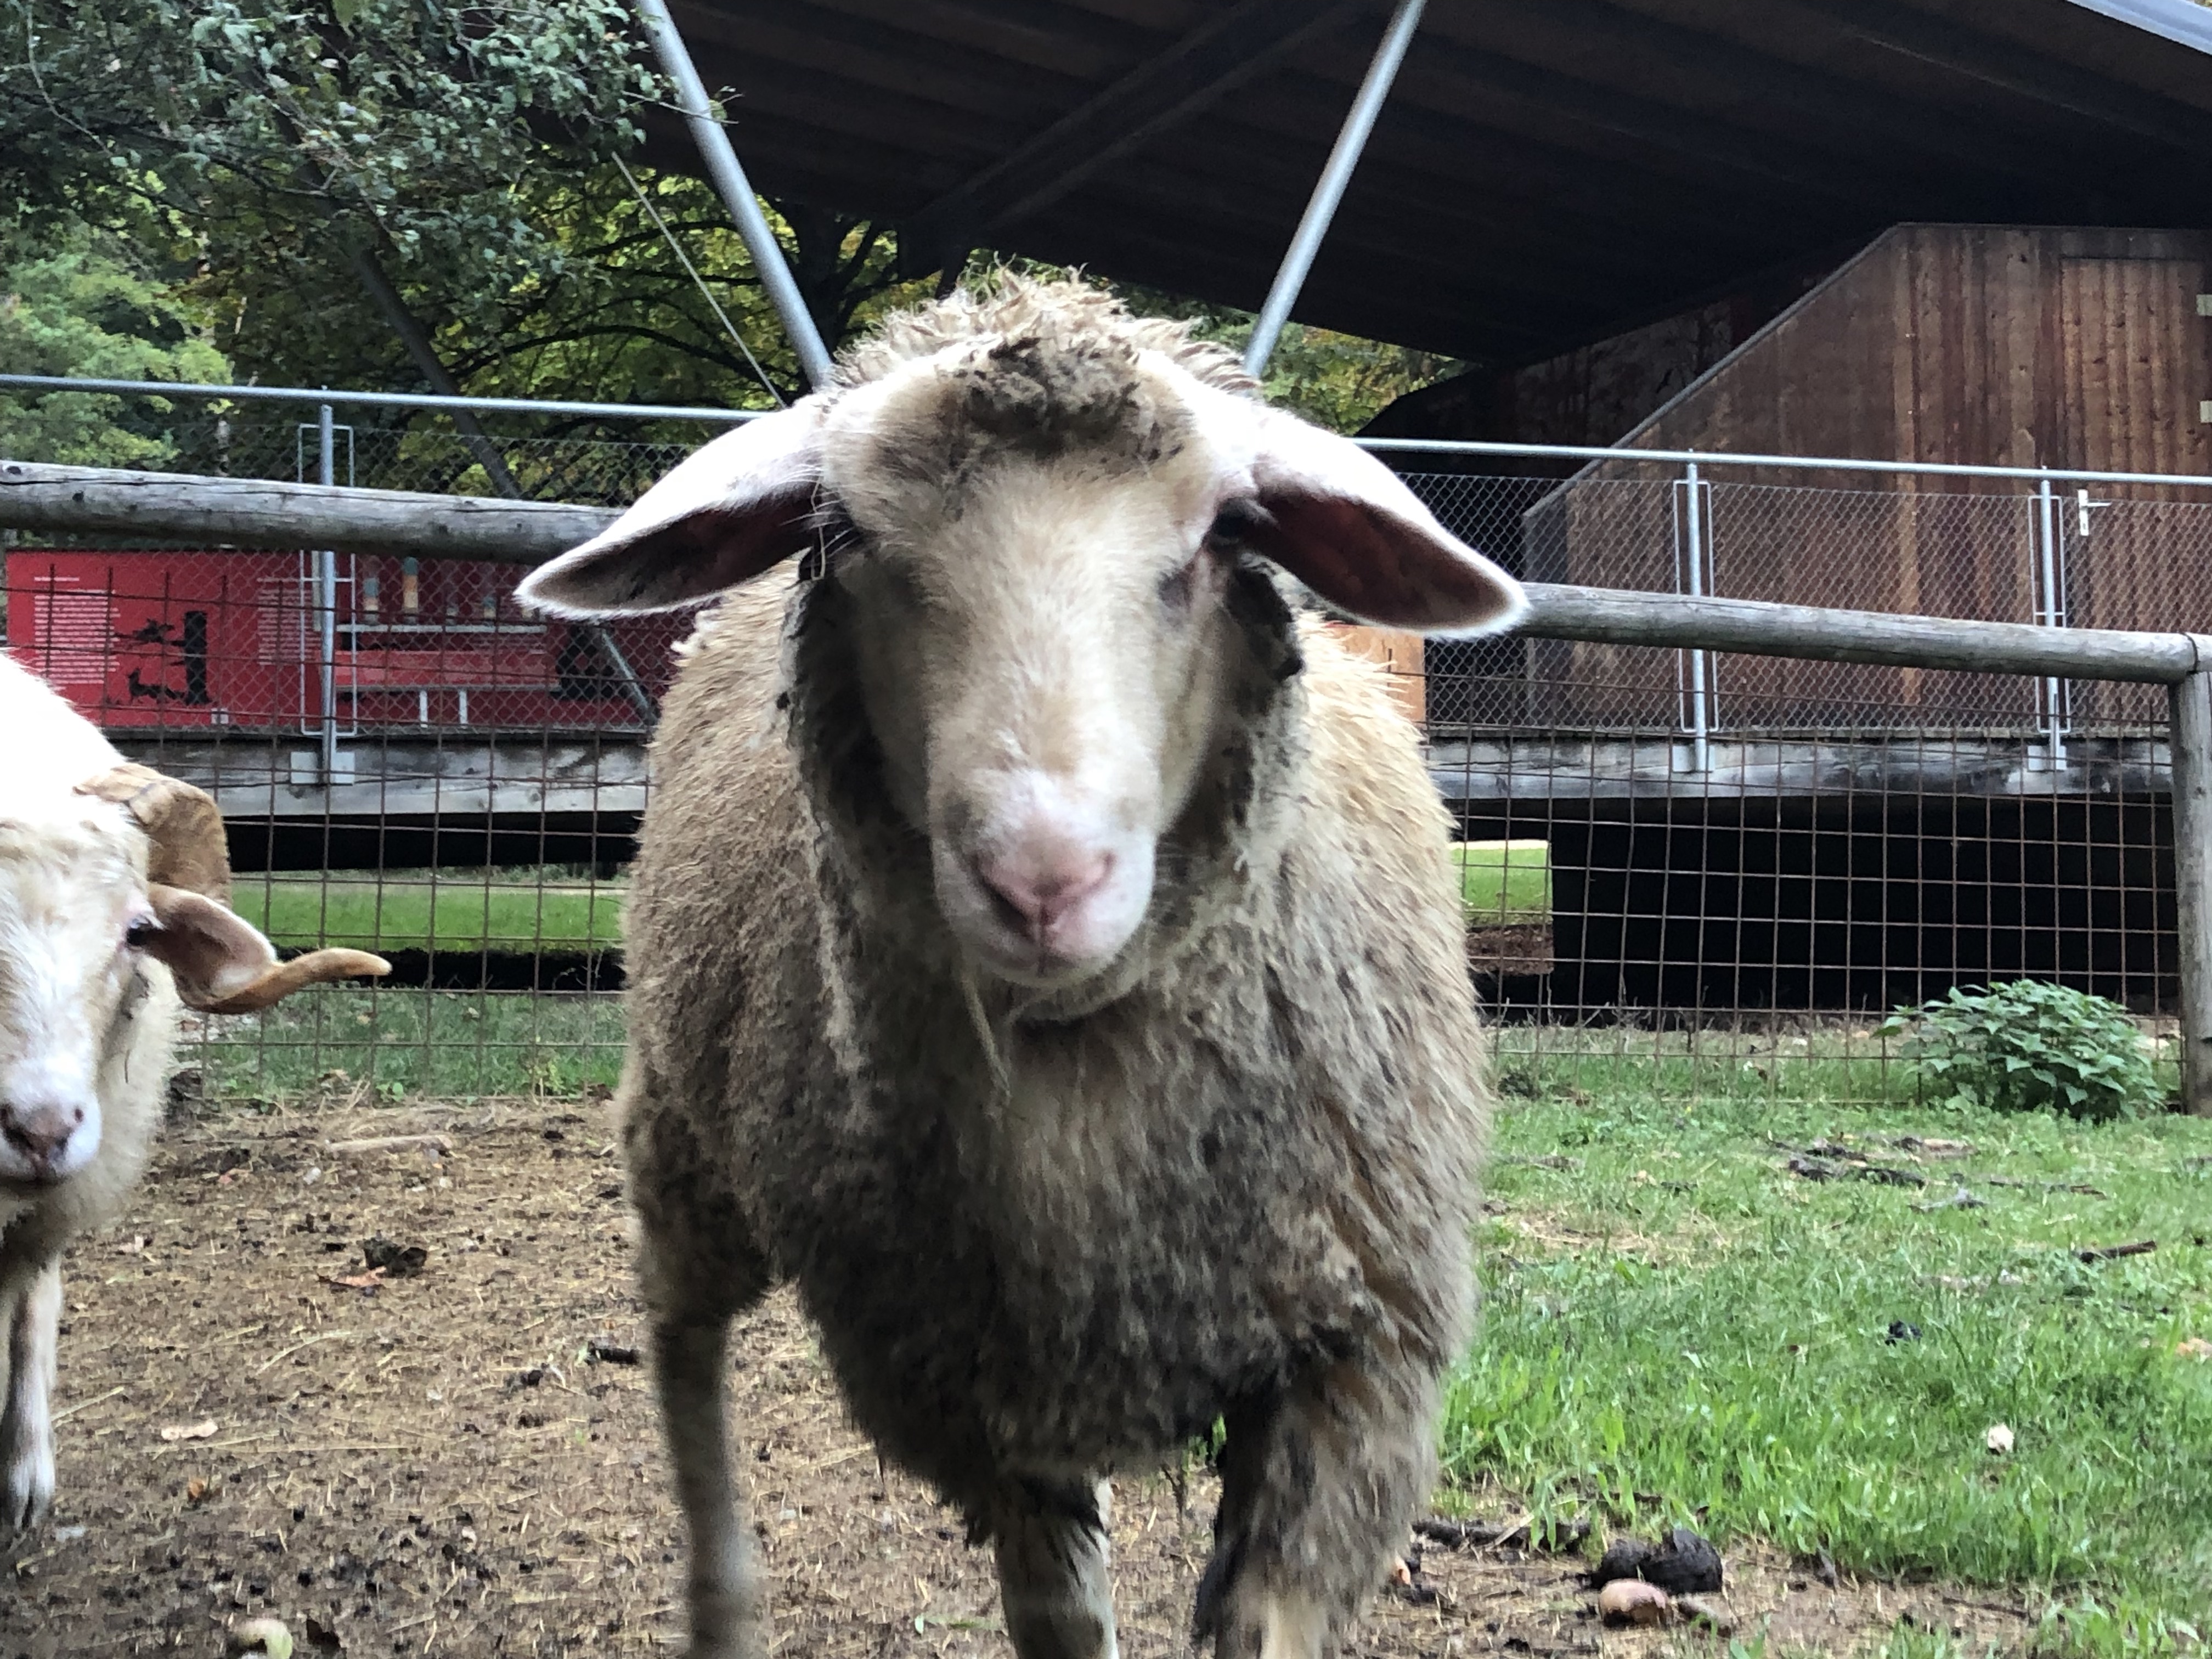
408	762
1720	869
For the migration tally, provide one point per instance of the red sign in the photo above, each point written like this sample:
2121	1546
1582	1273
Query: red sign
187	639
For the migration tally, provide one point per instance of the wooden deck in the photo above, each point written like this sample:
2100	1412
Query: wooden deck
1558	768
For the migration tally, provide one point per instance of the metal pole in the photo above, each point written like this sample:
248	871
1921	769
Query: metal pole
326	603
1701	757
2189	737
294	394
2047	611
1328	191
737	193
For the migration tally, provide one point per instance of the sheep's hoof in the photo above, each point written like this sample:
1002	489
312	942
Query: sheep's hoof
26	1498
27	1478
727	1624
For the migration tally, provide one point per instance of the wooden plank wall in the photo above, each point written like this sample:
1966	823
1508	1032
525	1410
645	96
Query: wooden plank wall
1990	346
2014	346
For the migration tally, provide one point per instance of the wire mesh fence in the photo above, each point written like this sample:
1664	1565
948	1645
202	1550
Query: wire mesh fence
1720	870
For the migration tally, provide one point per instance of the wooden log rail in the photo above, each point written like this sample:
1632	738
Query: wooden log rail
176	509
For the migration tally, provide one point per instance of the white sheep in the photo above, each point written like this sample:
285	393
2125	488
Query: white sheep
113	887
1044	949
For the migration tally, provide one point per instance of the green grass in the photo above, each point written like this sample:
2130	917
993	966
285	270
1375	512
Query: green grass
1677	1329
1504	883
396	1044
474	910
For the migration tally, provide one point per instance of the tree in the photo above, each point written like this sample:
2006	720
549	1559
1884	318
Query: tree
440	193
87	304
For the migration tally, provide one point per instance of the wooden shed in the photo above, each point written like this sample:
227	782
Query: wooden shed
2000	345
1984	345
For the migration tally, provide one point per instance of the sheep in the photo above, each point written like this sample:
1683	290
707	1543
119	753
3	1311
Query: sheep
1044	951
113	884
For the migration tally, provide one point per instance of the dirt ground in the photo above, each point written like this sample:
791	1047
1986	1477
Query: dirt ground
435	1464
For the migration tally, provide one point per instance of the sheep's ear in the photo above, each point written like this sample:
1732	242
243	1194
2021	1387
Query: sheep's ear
1343	524
222	964
732	512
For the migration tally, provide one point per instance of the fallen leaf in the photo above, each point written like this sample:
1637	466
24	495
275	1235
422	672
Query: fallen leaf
202	1430
195	1489
1631	1600
1998	1439
367	1281
2195	1348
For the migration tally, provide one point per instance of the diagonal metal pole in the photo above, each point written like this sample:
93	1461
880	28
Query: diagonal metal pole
1329	190
736	192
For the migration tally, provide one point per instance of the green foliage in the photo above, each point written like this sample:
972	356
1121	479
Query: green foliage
84	304
1677	1329
2028	1047
276	144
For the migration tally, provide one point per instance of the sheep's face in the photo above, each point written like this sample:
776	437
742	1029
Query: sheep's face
1042	645
1035	507
73	907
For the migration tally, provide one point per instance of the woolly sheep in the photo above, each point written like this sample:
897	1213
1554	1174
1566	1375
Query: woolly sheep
1044	951
113	887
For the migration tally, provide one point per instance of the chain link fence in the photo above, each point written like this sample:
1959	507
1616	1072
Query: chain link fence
1721	869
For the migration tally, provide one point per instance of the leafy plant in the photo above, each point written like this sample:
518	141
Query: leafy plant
2028	1046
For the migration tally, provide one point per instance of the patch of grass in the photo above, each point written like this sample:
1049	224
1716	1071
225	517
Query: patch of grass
1504	883
461	910
1679	1330
400	1043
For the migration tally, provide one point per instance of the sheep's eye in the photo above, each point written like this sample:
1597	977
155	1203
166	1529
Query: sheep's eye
1235	522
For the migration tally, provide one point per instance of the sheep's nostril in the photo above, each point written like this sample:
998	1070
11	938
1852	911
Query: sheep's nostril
40	1133
1034	895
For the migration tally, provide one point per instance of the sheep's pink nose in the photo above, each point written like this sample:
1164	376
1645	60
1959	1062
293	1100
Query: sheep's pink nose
1039	888
40	1133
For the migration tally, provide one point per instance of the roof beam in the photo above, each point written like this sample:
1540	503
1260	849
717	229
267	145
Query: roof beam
1764	160
1721	75
2026	74
1223	53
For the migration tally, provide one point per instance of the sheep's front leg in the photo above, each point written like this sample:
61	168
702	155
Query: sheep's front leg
728	1601
32	1311
1053	1583
1317	1491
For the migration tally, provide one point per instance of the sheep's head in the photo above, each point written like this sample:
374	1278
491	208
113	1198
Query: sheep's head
130	869
1043	538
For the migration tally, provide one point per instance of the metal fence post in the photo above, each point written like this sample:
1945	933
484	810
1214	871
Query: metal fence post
326	603
2051	611
2189	739
1690	579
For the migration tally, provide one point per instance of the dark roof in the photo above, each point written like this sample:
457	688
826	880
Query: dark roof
1547	172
